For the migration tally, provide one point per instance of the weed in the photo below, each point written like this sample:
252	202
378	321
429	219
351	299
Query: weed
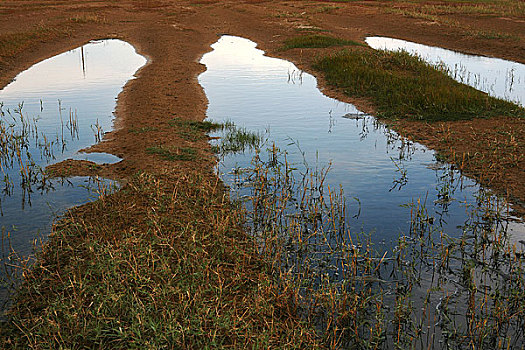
234	140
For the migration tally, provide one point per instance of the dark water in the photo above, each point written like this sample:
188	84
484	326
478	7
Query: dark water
379	172
64	104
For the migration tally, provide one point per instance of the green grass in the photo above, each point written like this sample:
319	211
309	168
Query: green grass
404	86
182	153
161	264
236	140
316	41
193	130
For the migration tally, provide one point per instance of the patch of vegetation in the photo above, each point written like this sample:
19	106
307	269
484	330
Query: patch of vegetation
316	41
193	130
491	34
161	264
405	86
310	29
236	140
443	14
466	7
179	153
329	8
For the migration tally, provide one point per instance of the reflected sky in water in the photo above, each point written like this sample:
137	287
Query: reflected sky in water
367	159
497	77
83	83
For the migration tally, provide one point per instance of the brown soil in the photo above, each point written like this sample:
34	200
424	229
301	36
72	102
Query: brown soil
173	35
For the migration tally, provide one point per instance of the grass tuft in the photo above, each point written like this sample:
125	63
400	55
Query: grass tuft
182	153
193	130
405	86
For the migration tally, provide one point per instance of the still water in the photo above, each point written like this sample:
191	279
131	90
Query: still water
379	172
54	109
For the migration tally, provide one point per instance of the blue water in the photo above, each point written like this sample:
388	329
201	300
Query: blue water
274	98
82	83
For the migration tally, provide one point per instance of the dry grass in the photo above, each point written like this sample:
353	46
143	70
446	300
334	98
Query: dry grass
446	14
161	263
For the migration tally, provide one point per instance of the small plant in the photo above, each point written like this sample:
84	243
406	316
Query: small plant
234	140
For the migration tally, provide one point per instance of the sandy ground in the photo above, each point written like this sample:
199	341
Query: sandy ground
173	35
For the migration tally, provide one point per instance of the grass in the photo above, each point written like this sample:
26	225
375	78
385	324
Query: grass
428	290
316	41
441	14
142	130
179	153
193	130
404	86
467	7
235	140
163	263
88	18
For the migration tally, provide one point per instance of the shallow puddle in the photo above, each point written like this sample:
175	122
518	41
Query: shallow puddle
497	77
435	233
48	113
379	172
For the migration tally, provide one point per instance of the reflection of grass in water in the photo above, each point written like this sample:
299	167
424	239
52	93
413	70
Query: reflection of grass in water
234	140
24	150
404	86
431	290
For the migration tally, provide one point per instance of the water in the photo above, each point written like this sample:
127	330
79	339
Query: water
67	103
497	77
379	172
441	272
